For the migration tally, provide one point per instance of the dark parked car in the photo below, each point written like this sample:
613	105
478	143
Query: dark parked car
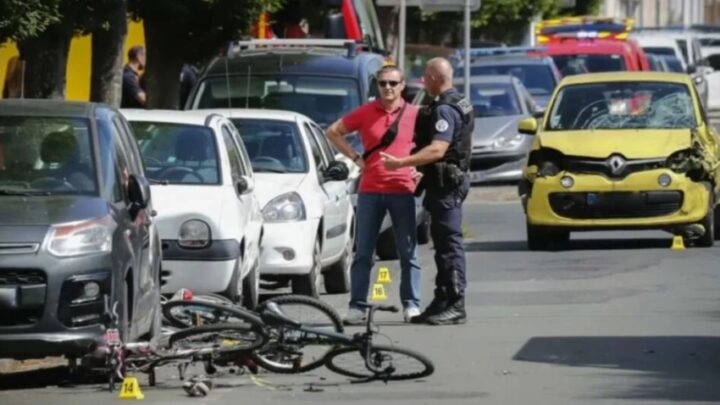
76	234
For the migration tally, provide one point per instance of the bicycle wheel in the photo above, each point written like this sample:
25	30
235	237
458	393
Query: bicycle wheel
291	351
223	337
402	364
185	314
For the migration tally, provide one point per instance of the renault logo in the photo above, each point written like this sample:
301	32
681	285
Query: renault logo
616	163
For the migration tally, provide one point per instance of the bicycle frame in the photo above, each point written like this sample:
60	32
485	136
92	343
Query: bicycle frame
363	341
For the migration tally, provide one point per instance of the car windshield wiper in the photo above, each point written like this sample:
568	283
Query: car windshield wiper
24	192
156	181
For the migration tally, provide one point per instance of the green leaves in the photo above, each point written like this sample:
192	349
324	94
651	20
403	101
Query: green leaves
23	19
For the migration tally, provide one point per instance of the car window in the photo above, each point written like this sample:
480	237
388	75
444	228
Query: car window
578	64
124	137
273	146
538	79
327	149
109	165
623	105
315	149
494	99
178	153
46	155
323	99
244	156
236	168
684	50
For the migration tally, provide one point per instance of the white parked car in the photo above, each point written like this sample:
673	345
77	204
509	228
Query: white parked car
303	190
209	218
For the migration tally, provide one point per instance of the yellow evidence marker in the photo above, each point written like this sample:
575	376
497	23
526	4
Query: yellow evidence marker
384	276
678	243
131	389
378	293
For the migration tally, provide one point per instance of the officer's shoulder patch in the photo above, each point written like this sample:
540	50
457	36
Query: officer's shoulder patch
442	125
465	105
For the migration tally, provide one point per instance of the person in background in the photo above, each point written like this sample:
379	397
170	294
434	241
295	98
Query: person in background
133	89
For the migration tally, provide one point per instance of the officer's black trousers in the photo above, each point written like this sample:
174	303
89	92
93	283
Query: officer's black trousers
445	209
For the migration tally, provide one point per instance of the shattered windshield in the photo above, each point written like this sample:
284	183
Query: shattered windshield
623	105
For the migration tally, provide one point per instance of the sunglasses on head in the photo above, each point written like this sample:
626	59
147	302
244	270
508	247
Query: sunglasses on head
384	83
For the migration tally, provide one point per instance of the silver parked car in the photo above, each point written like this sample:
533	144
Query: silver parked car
500	102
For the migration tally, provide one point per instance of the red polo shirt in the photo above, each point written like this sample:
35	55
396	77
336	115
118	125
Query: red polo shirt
372	121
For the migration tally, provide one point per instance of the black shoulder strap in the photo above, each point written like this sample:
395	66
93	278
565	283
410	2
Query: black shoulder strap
389	135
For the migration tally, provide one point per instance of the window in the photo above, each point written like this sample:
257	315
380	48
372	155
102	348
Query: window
233	154
109	162
178	153
494	99
273	146
577	64
46	155
623	105
537	78
325	145
323	99
244	157
316	149
135	166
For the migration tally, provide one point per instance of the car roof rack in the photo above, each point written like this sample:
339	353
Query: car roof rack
237	47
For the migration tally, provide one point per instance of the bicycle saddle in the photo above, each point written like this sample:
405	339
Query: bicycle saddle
272	315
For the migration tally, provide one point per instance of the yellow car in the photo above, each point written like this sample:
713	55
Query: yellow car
622	150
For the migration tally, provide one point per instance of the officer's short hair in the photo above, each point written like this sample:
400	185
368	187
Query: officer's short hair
391	68
135	51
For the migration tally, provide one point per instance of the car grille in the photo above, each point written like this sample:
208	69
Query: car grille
614	167
616	204
21	277
29	287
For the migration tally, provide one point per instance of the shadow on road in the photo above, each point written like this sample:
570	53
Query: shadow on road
678	368
582	244
40	378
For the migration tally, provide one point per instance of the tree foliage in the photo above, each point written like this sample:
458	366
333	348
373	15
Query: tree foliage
23	19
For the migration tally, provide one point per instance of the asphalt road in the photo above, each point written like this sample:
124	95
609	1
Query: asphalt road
618	318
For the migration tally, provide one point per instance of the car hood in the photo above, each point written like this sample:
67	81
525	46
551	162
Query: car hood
488	129
26	219
633	144
176	204
271	185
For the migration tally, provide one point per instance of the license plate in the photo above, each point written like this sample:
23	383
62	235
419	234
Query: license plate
112	337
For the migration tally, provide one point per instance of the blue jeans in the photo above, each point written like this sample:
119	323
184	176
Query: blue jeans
371	209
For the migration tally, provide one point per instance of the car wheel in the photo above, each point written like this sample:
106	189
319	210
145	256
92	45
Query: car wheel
337	277
386	249
251	288
308	284
708	238
233	292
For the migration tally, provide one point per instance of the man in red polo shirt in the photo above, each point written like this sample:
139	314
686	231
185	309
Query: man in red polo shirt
381	190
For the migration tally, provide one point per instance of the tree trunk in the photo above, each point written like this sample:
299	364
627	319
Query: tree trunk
107	56
46	62
388	17
164	62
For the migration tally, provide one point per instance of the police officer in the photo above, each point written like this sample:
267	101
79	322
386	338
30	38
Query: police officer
443	138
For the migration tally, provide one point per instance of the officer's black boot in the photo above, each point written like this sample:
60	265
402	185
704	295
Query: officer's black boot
438	304
453	314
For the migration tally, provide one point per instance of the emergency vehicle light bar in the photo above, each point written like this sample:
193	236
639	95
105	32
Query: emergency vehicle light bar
238	46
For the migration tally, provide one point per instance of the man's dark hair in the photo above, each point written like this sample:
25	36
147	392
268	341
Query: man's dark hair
135	51
390	68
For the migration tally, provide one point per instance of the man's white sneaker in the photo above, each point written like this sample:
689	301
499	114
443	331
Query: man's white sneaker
355	316
410	312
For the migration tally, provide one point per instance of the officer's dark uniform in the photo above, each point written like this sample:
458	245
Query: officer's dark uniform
446	183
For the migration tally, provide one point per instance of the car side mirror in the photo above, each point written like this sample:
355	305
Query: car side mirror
528	126
138	190
336	171
244	185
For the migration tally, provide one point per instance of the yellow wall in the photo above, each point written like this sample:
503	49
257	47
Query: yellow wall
79	61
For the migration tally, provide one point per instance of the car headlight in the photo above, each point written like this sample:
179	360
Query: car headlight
194	234
679	161
284	208
89	237
508	141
